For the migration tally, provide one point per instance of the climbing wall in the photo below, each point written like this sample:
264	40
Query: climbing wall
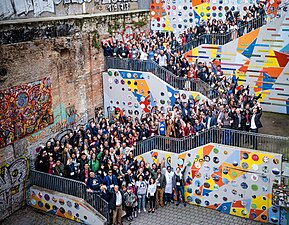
231	180
136	93
178	15
260	59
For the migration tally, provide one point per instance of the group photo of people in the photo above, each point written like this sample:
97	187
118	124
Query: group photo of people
102	153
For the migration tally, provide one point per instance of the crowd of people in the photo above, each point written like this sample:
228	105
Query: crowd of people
212	31
102	154
162	48
102	157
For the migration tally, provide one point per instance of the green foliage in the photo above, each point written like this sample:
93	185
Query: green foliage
95	41
140	23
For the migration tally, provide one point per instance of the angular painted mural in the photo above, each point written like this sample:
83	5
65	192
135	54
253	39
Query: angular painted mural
260	59
232	180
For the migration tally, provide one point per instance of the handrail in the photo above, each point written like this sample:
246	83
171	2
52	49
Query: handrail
161	72
257	141
221	39
70	187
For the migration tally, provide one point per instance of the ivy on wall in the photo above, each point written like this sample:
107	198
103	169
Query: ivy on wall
113	26
95	40
140	23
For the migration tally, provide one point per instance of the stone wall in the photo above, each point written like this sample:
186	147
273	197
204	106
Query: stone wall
68	56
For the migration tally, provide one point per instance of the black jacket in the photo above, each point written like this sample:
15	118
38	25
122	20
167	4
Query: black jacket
235	124
257	119
70	172
112	201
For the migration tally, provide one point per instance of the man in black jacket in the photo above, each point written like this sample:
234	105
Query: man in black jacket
255	120
115	203
255	124
238	124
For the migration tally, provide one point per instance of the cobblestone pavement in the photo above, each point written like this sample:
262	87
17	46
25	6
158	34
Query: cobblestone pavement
190	215
31	216
169	215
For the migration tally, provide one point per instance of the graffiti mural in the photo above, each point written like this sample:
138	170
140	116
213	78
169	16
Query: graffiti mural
71	115
13	180
115	5
126	34
25	109
231	180
9	8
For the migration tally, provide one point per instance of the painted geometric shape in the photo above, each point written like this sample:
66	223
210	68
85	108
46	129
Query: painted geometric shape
225	207
249	50
273	72
268	82
285	49
282	58
247	39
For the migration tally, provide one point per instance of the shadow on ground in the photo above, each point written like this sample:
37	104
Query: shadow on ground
275	124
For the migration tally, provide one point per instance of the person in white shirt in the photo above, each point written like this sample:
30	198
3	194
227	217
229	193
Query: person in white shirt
169	183
143	55
151	194
116	201
162	59
255	124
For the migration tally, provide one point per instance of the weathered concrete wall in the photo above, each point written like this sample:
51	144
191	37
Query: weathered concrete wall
69	54
54	8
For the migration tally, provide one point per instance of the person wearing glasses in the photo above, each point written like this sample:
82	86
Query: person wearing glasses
110	179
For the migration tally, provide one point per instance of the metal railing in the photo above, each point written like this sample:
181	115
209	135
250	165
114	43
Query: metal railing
221	39
164	74
70	187
99	204
257	141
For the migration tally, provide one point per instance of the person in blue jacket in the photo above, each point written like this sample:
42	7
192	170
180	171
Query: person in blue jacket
110	179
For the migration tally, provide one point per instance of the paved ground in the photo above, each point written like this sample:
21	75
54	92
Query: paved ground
275	124
169	215
190	215
31	216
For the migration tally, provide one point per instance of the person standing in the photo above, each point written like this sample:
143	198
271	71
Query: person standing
255	124
116	202
110	179
141	193
160	181
93	183
151	194
255	120
169	183
226	123
162	59
178	185
129	199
